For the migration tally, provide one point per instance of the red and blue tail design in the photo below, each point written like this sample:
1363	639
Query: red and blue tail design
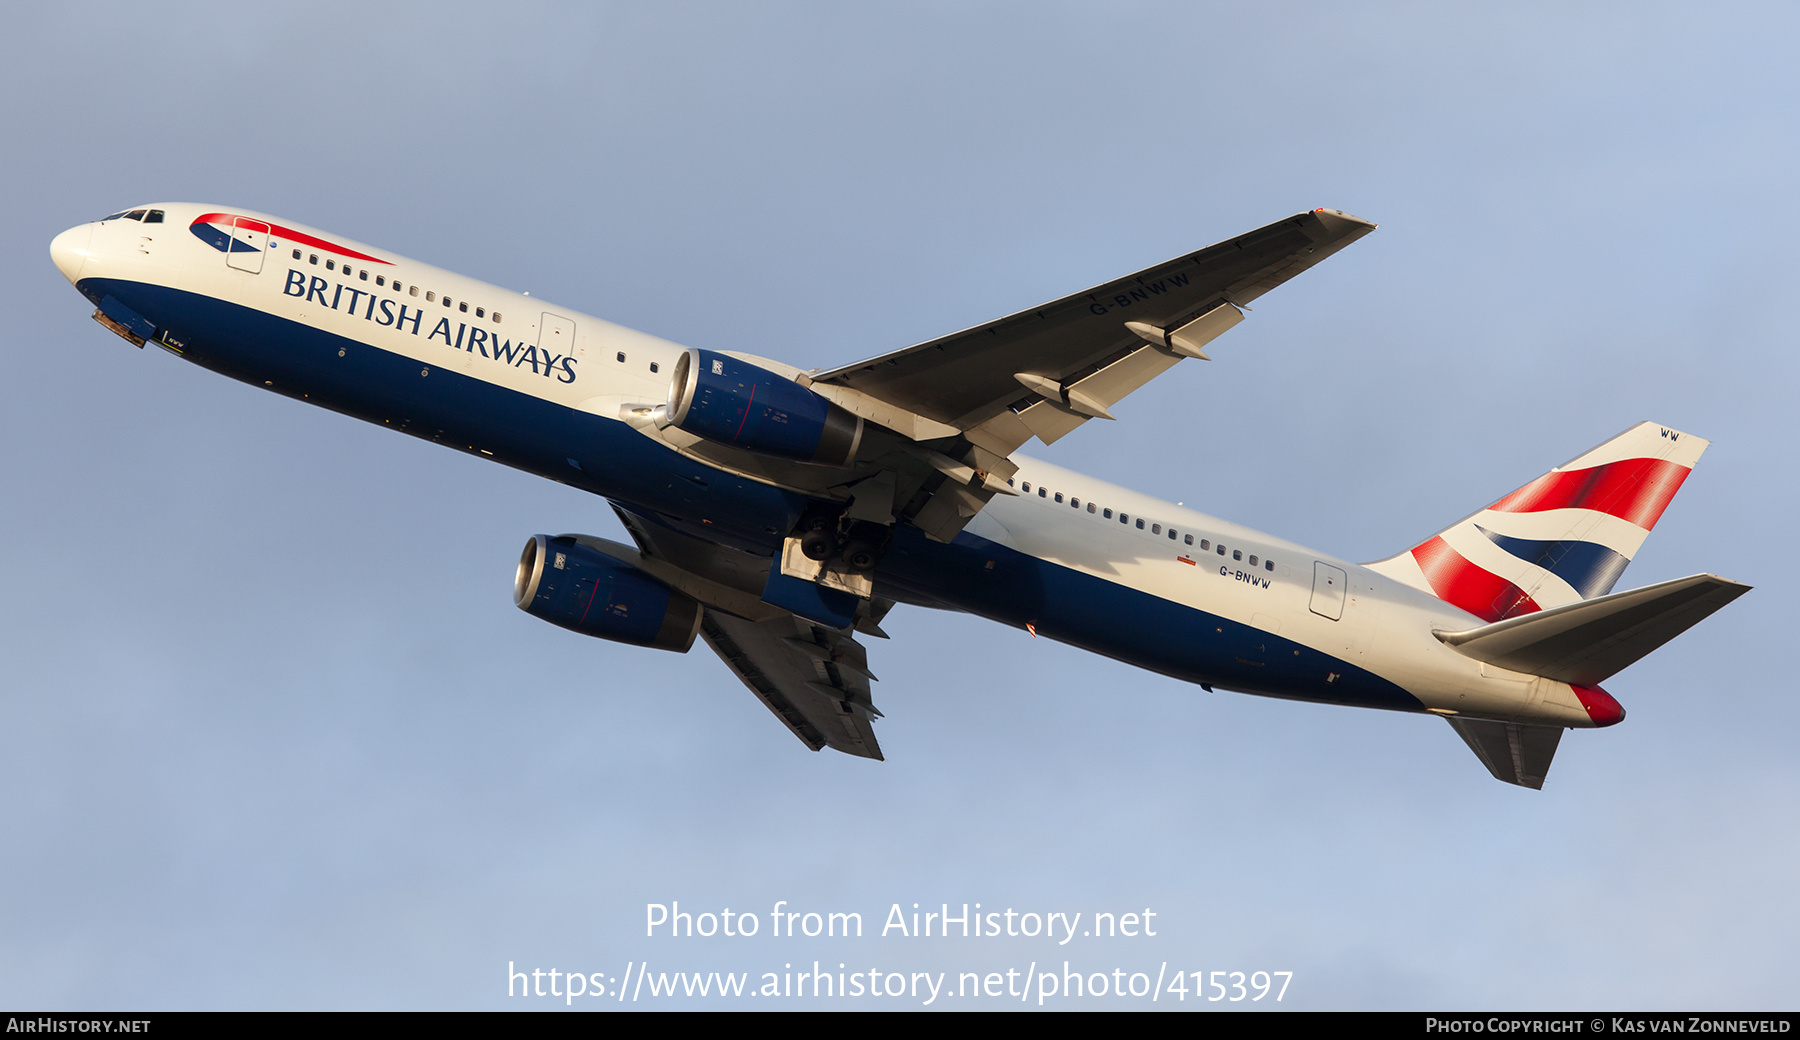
1565	536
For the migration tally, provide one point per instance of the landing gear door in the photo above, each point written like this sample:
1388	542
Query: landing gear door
1328	591
249	241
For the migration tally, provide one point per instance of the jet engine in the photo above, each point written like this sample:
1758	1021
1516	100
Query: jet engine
734	402
584	590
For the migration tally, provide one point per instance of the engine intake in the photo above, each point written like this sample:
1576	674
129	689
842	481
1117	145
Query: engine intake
734	402
584	590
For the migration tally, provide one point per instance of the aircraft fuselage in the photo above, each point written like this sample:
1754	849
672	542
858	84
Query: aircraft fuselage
564	395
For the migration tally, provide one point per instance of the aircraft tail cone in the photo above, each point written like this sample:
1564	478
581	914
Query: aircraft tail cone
1600	705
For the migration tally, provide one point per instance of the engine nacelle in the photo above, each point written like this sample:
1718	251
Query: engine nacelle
584	590
734	402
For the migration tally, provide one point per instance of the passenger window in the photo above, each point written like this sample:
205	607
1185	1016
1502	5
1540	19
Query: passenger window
1140	525
1108	514
414	291
381	279
1059	497
155	217
653	368
1237	554
330	264
1189	539
313	259
296	254
1252	561
1076	502
1221	549
1090	507
430	296
1124	518
621	357
496	317
463	307
481	312
362	276
1268	565
1041	491
1156	529
446	301
1171	534
1205	544
1028	487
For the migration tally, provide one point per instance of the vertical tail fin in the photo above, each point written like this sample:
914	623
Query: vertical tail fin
1565	536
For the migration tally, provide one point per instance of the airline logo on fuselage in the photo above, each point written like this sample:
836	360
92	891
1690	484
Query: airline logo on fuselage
215	229
388	312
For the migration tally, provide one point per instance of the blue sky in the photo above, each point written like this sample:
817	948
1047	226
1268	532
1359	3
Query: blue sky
277	738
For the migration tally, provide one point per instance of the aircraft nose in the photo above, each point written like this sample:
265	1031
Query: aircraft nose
69	250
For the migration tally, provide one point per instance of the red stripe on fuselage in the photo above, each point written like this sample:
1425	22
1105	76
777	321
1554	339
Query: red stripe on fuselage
296	236
1637	490
1460	583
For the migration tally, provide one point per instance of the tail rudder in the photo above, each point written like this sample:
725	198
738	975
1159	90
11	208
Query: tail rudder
1564	537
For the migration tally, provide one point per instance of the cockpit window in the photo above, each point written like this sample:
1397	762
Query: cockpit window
136	214
153	217
112	216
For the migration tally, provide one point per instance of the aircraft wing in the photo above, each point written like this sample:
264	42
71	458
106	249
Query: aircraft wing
1068	360
816	680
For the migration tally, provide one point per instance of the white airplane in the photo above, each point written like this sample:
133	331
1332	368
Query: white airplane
777	512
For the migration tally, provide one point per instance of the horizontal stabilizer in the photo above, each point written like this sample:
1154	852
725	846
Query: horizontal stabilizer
1515	754
1585	642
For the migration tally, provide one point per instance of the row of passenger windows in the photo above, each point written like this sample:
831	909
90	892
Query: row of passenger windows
1205	545
148	216
380	279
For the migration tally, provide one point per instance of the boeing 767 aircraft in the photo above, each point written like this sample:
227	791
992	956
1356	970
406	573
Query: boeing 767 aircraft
778	513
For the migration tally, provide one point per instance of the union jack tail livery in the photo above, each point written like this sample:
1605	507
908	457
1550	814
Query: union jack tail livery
1564	537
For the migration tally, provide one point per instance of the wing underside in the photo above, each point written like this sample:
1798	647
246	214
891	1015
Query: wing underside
814	679
967	377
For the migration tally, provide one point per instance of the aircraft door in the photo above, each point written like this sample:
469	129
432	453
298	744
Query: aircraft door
1328	591
556	334
249	241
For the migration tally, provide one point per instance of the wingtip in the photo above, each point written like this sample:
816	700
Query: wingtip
1324	211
